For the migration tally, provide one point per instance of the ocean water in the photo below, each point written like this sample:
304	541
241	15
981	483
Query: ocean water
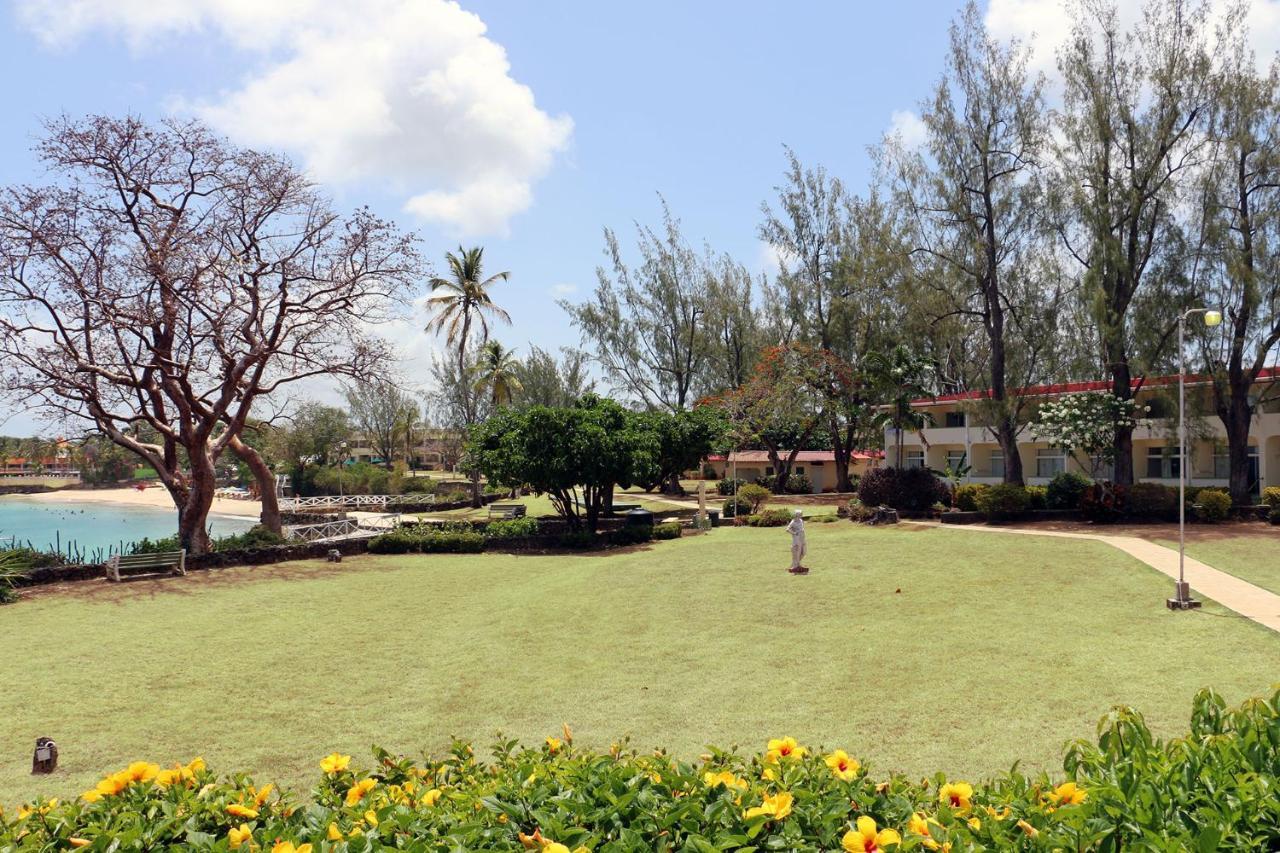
90	528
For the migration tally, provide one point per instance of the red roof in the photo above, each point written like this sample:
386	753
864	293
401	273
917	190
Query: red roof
1266	374
802	456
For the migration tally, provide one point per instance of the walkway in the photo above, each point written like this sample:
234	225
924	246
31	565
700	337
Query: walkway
1251	602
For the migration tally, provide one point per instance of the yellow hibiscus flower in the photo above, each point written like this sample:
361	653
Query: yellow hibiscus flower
844	767
357	791
866	838
1028	829
958	795
1068	794
554	744
776	807
785	747
237	810
334	763
725	778
430	798
287	847
239	835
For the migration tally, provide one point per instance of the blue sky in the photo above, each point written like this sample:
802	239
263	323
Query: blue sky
541	123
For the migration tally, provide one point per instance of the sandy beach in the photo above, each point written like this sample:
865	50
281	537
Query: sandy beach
152	497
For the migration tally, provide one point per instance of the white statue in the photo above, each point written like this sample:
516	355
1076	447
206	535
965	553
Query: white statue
796	528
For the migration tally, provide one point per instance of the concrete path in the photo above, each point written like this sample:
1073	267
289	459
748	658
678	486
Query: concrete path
1252	602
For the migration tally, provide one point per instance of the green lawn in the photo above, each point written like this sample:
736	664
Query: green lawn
914	648
1254	557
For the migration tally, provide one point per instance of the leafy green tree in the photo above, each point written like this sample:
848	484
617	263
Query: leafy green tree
683	440
975	199
646	322
900	376
1240	267
377	409
1131	128
464	299
497	371
576	455
545	380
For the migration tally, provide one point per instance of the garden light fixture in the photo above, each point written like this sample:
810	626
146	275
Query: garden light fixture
1182	599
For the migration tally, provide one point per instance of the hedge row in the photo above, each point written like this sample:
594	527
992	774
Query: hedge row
432	539
1213	789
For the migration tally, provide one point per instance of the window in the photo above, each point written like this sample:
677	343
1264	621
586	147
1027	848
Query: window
955	458
1221	462
1163	463
816	464
1101	468
1050	461
997	463
954	419
799	469
913	459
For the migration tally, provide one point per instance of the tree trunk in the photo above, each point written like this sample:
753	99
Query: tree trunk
1007	436
194	502
842	445
476	503
266	480
672	486
1236	415
1121	386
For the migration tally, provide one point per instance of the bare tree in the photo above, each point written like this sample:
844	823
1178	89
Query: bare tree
168	281
379	411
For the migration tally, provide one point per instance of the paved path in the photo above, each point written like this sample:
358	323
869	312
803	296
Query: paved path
1252	602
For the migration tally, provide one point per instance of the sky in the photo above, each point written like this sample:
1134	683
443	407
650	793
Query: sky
525	127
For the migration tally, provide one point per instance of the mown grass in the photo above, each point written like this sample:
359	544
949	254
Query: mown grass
1255	557
916	649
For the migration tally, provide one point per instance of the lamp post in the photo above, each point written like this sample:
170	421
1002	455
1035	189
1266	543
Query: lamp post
342	463
1182	599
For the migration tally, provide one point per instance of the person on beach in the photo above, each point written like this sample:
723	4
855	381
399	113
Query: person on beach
796	528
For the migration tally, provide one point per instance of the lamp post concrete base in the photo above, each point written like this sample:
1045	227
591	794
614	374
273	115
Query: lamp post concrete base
1182	599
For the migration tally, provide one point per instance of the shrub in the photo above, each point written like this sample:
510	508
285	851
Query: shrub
914	489
670	530
1271	496
146	545
735	507
1152	502
755	496
708	472
1067	489
967	496
631	534
453	497
770	518
1213	505
511	528
253	538
1274	517
1037	497
727	485
1004	501
1103	503
408	540
859	512
13	567
578	540
799	484
418	486
1213	789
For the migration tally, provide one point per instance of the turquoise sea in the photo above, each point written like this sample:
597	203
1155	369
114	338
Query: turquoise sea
93	530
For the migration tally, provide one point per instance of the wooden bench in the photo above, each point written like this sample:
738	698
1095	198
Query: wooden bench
507	510
144	565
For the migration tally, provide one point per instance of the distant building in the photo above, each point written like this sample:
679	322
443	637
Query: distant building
431	450
1155	448
818	465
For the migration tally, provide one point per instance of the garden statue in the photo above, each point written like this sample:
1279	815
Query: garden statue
796	528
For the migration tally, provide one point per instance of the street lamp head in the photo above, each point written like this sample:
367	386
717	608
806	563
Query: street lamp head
1212	318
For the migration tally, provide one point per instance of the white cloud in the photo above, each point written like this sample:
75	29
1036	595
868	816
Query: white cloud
564	288
1046	25
410	94
907	126
771	259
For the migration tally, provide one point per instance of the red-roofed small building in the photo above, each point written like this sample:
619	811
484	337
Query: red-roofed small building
818	465
954	435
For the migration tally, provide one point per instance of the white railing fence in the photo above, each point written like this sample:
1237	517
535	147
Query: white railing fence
355	502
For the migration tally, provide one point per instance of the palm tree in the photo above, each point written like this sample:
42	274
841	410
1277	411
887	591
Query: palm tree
497	369
901	376
464	298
